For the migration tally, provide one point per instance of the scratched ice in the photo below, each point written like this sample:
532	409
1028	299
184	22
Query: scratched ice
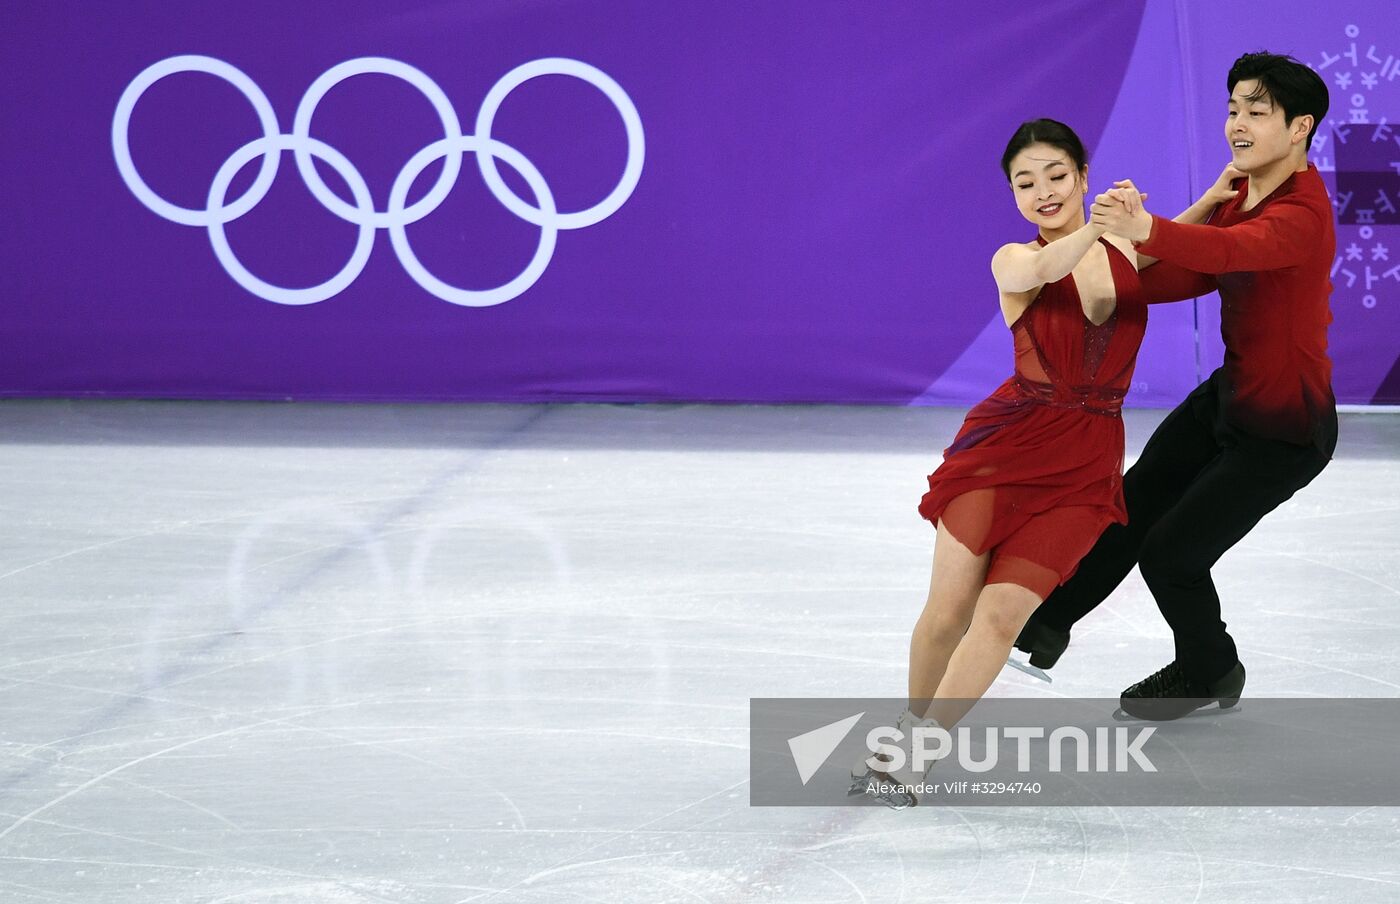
269	654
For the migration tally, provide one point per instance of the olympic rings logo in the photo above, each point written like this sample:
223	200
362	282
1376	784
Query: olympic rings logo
398	215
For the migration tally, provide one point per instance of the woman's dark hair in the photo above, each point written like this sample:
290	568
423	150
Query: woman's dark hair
1043	131
1296	89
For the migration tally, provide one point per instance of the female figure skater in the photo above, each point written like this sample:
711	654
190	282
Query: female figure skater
1035	474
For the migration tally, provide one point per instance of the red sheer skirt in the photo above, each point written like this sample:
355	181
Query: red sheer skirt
1033	481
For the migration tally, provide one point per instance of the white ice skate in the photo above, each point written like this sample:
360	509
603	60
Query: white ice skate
892	787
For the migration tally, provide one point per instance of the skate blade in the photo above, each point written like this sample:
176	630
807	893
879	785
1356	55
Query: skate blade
1029	669
864	786
897	800
1204	712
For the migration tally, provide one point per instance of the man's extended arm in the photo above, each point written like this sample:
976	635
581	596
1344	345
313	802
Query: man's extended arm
1284	234
1163	282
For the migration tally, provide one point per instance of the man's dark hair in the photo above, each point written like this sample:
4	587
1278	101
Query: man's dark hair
1043	131
1296	89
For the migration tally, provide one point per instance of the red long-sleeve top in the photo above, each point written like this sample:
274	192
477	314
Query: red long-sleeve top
1272	267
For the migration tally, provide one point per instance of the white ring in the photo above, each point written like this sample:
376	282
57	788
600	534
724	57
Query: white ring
121	146
396	217
398	234
452	128
274	145
631	121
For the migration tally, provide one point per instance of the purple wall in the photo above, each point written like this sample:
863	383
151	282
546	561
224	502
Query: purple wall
1356	48
817	201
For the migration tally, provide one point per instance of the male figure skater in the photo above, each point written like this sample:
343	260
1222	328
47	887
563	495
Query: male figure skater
1258	429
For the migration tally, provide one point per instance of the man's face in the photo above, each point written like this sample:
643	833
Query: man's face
1258	134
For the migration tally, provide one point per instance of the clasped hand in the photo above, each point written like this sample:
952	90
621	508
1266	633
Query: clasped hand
1119	211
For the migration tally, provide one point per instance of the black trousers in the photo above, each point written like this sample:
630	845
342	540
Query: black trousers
1198	488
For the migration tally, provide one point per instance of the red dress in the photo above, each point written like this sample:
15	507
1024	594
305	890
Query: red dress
1036	472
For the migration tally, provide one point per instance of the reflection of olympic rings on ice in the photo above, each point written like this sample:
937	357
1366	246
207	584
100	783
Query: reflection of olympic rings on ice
398	215
297	657
524	643
292	523
311	528
477	596
493	530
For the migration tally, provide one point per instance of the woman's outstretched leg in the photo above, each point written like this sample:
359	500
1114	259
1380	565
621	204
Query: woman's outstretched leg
952	596
1001	610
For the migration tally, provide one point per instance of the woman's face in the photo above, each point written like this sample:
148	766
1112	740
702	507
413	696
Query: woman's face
1049	192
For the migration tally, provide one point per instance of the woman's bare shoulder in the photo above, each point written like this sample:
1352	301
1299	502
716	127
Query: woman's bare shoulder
1123	245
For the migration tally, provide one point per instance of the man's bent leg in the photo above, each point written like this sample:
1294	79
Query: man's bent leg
1182	445
1220	507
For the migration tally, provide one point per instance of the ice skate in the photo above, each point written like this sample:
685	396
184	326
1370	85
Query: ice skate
893	788
1044	644
1169	694
864	776
897	789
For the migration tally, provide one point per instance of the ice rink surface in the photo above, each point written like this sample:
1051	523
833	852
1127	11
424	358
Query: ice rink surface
438	654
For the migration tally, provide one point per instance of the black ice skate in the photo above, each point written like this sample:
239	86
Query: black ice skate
1043	643
1169	694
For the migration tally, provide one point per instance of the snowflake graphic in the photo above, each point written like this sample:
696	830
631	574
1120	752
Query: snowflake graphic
1359	147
